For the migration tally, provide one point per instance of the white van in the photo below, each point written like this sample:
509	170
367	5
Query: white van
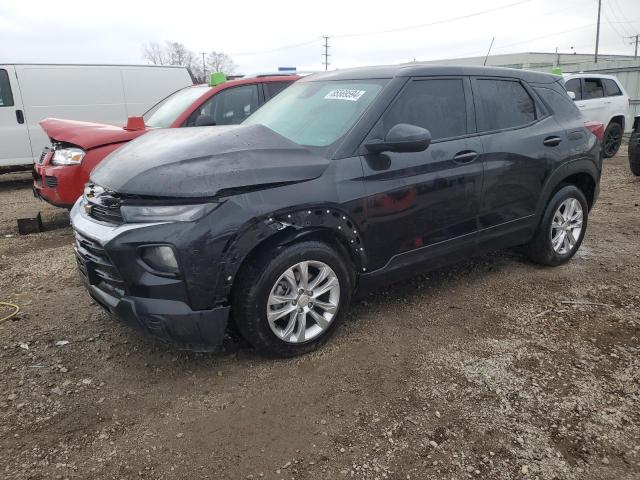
95	93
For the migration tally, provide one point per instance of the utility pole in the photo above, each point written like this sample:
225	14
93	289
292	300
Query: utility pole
204	68
598	31
636	41
326	52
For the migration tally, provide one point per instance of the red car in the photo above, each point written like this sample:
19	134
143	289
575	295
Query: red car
77	147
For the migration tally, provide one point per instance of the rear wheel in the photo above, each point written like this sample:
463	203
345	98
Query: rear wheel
561	229
634	152
291	303
612	140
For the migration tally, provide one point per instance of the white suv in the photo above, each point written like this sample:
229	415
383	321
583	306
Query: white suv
602	98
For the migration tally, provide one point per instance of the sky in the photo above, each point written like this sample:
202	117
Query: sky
255	34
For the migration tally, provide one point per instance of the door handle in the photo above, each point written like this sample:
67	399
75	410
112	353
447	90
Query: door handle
466	156
552	141
20	116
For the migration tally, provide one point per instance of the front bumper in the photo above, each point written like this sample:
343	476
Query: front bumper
59	185
169	319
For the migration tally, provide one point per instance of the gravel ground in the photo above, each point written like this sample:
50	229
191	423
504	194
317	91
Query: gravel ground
475	371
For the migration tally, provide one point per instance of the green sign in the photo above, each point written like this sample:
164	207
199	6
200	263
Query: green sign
217	78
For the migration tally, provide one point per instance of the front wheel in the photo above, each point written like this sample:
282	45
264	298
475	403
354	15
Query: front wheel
612	140
291	303
561	229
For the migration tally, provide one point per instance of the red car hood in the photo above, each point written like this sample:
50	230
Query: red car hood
87	135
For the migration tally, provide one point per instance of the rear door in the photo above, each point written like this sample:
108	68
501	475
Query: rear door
522	144
15	147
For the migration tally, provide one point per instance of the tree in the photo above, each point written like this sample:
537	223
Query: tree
175	53
220	62
154	53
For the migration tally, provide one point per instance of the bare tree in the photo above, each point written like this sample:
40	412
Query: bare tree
220	62
178	54
154	53
175	53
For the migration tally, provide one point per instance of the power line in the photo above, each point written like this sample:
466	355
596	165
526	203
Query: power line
277	49
438	22
361	34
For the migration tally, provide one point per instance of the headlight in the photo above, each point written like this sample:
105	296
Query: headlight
160	258
165	213
68	156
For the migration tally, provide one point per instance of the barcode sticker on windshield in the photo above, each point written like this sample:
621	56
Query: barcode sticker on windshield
345	94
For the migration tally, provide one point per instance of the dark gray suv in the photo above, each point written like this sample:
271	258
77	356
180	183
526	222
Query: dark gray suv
344	181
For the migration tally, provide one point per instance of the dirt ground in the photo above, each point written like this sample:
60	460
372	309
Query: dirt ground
475	371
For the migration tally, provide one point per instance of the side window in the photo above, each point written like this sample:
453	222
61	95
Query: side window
574	86
593	88
437	105
611	88
228	107
6	97
271	89
503	104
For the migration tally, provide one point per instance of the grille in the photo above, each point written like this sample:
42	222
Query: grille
106	214
105	205
43	155
96	267
51	182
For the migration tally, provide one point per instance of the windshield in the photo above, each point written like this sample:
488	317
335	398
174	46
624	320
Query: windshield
164	113
317	114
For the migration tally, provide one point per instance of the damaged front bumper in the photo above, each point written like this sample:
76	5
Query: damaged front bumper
171	319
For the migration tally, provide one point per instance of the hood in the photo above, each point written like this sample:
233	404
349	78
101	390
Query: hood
206	161
86	135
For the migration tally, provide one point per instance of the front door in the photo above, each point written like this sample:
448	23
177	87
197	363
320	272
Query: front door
15	147
422	204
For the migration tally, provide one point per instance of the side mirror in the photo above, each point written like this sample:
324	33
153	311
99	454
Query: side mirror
572	95
401	138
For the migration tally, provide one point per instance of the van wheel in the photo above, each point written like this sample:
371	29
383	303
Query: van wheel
561	229
634	152
612	140
291	302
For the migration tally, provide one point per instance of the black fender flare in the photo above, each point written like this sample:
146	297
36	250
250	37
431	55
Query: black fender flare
284	227
579	166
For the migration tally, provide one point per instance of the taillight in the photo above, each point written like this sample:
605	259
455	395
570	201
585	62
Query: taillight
597	128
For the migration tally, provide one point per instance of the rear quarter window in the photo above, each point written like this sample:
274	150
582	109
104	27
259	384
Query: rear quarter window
271	89
611	88
503	104
6	96
560	104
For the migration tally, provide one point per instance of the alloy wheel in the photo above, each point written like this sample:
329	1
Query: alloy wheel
566	226
303	302
612	143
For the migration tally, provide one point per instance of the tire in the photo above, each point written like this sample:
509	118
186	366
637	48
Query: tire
541	247
263	279
612	140
634	152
